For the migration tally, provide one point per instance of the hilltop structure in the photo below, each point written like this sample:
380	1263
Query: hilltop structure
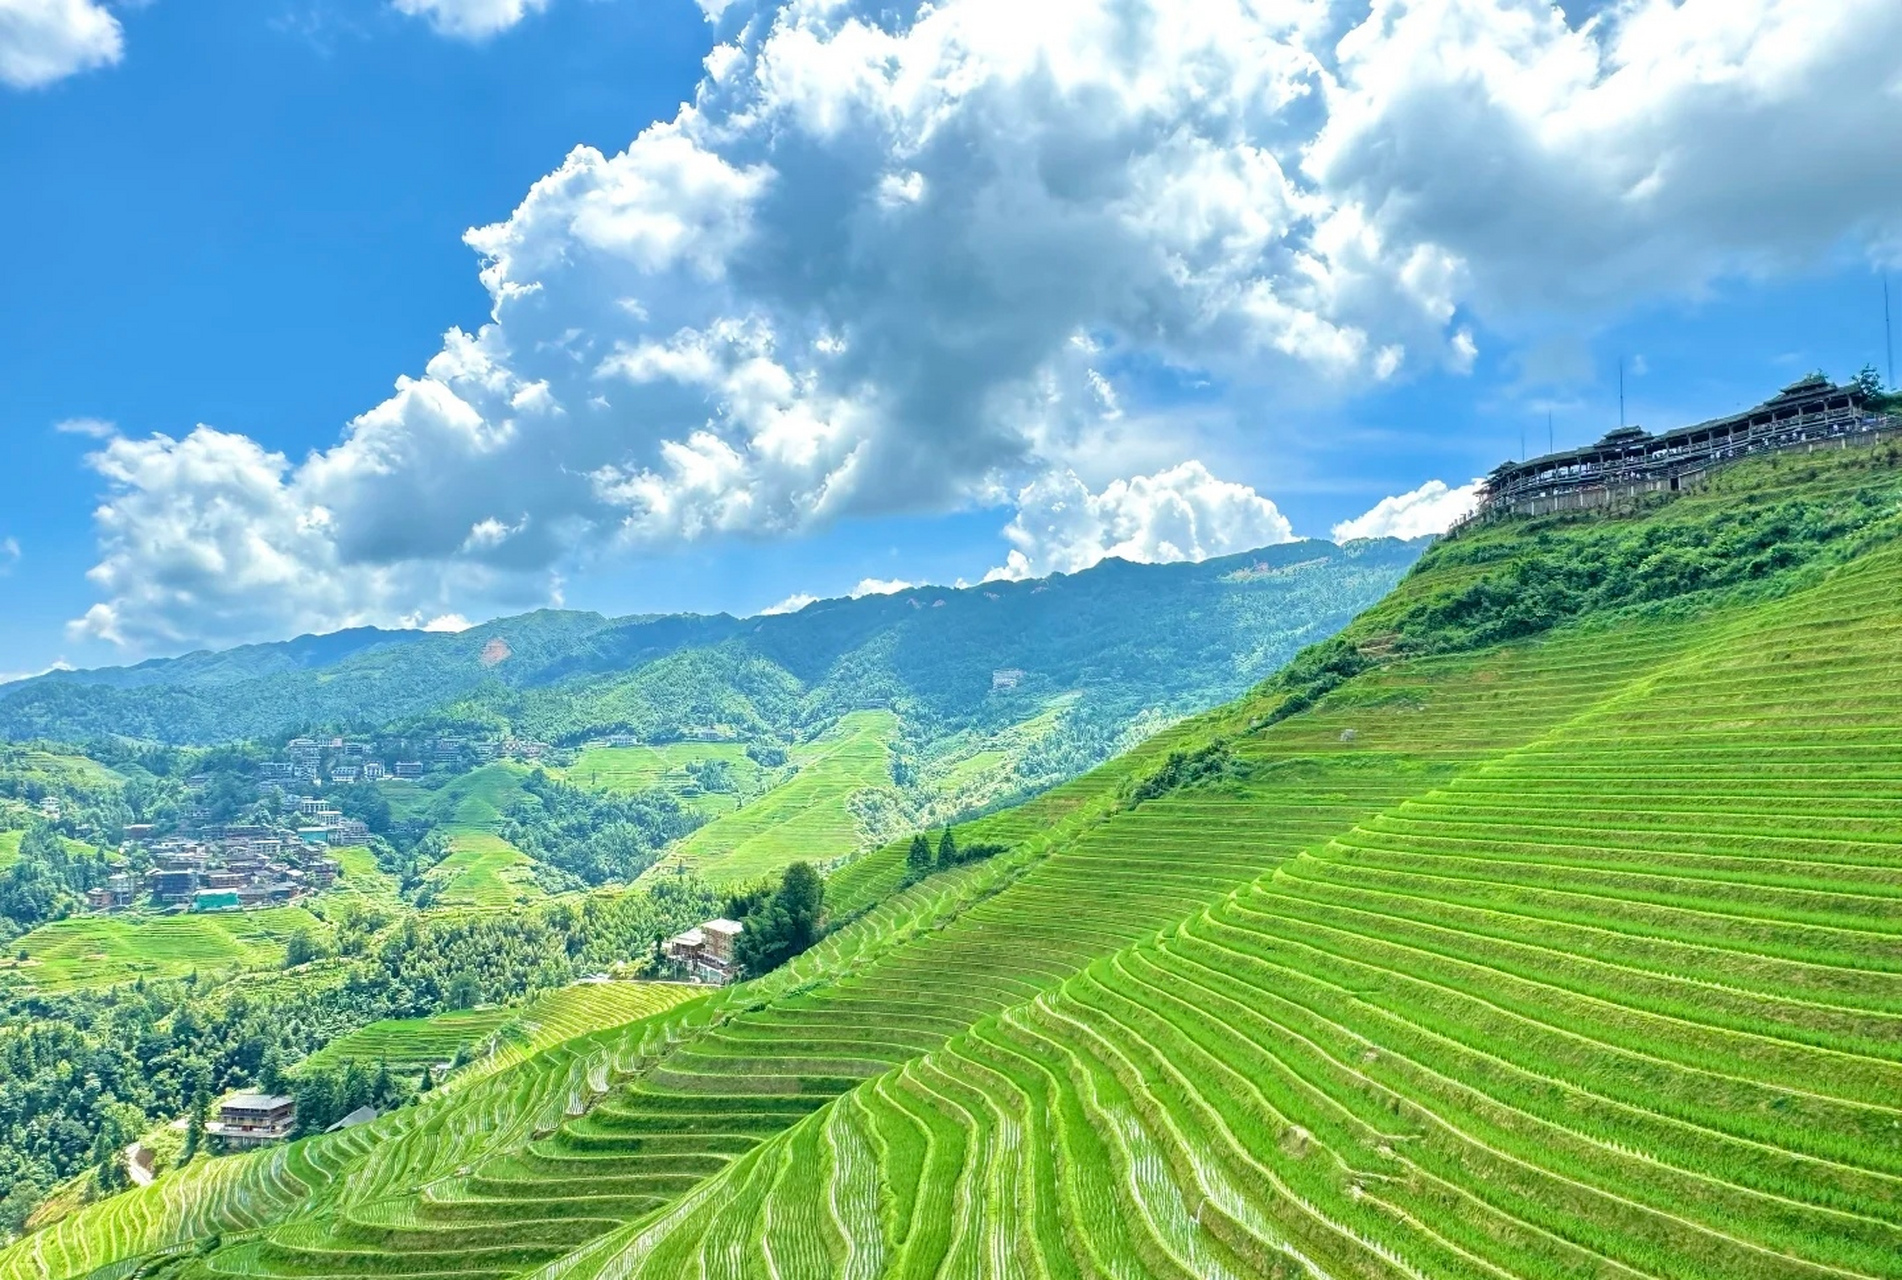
1809	413
247	1120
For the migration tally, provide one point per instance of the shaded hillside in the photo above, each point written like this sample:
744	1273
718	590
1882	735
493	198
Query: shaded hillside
1573	953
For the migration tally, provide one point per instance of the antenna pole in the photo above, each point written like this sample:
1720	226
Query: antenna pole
1522	442
1549	446
1621	391
1888	333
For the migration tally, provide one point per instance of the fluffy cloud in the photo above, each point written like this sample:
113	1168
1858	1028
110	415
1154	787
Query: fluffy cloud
1535	166
880	587
1432	508
470	19
916	257
202	531
9	555
46	40
1180	514
791	604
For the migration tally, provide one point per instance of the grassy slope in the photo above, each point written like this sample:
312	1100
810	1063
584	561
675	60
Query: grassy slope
807	817
1622	999
584	1037
97	950
482	869
638	768
1545	969
1086	878
503	1033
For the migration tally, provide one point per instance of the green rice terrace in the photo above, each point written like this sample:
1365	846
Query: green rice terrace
1547	923
809	816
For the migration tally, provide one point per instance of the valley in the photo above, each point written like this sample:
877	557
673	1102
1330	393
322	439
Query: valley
1518	931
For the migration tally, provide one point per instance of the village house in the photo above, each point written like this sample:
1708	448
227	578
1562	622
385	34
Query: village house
247	1120
409	768
706	952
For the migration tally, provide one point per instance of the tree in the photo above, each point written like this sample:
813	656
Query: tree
947	850
464	992
18	1205
918	857
785	926
108	1161
301	948
1869	383
195	1127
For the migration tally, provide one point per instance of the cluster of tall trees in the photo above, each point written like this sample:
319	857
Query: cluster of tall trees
598	837
781	922
921	860
48	881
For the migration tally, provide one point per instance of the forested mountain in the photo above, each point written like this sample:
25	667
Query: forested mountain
1168	637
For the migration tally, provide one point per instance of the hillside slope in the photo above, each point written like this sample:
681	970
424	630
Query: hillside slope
1624	999
1548	923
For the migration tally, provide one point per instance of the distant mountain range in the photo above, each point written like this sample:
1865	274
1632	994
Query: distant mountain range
1110	643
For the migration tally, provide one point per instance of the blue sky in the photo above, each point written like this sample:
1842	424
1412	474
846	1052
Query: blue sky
253	217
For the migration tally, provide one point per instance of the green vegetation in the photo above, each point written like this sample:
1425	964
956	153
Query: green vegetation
597	838
480	870
1126	638
1546	923
784	925
413	1043
45	877
595	1033
1564	951
809	818
76	1061
97	950
679	768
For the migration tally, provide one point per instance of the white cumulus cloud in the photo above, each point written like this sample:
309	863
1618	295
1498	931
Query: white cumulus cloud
1432	508
46	40
1184	513
470	19
914	257
880	587
791	604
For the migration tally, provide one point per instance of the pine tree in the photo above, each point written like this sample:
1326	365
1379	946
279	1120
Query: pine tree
918	857
947	851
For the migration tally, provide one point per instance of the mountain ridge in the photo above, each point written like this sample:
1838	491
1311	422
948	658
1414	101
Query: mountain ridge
368	677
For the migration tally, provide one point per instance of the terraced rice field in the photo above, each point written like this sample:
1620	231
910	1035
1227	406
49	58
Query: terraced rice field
483	870
1579	957
808	817
504	1032
919	969
1623	1001
474	801
640	768
99	950
587	1034
412	1042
